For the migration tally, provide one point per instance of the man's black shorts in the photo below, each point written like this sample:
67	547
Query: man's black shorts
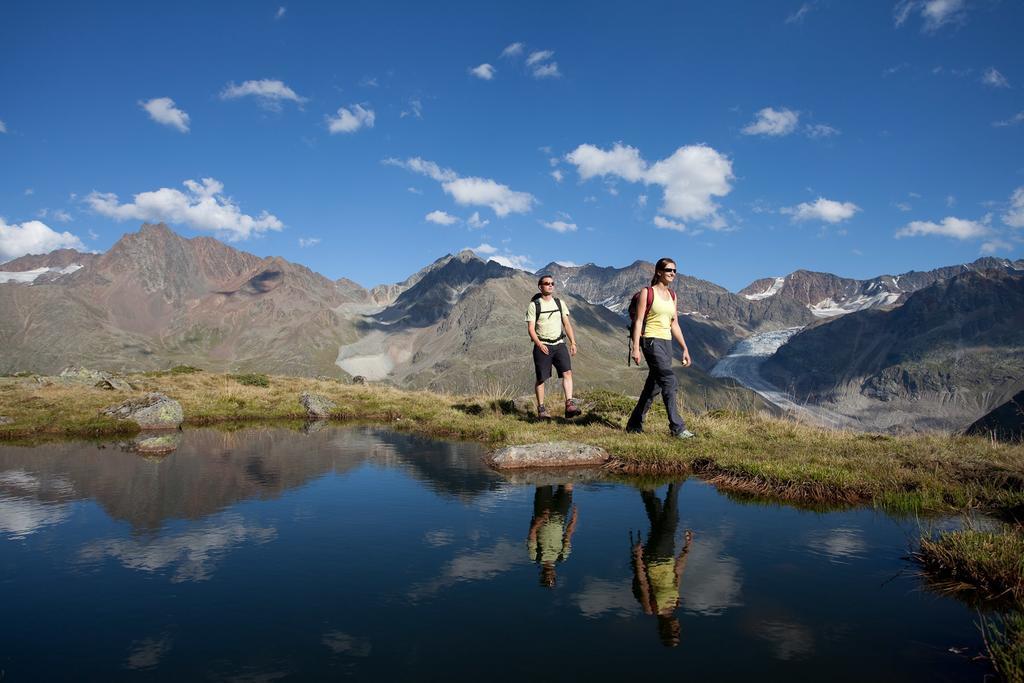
557	355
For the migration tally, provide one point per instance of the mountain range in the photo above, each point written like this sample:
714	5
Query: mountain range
156	299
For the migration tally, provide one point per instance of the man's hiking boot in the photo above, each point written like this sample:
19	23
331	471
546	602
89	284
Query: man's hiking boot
571	409
543	413
685	434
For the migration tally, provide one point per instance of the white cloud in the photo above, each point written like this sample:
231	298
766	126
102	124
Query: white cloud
959	228
484	249
559	226
414	190
280	12
369	82
29	191
820	130
772	122
539	56
486	192
558	175
33	237
903	206
3	127
269	93
1012	121
162	110
513	50
351	119
61	216
549	70
691	177
641	201
203	207
423	167
889	71
995	245
935	13
665	223
822	209
415	109
622	161
506	258
471	191
797	17
1014	217
950	200
995	79
484	71
305	242
568	264
476	222
441	218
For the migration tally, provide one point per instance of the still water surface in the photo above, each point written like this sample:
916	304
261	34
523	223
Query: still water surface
268	554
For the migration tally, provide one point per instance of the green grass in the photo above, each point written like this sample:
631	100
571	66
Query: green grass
252	379
749	454
1004	638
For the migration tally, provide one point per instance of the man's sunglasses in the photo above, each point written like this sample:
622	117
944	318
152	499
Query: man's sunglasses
547	284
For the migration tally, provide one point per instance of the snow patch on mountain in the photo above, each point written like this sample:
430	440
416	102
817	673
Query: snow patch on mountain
30	276
771	291
828	308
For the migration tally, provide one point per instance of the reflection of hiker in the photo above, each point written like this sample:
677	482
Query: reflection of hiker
655	325
547	321
657	570
550	539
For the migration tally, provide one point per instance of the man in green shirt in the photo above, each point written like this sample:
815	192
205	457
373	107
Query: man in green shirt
547	321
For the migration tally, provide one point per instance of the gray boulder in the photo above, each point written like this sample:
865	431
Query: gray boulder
358	379
5	420
548	454
113	383
152	411
317	407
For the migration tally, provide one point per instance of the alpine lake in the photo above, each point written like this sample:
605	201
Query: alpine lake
271	554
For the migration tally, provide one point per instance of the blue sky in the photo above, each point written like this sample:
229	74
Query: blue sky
365	139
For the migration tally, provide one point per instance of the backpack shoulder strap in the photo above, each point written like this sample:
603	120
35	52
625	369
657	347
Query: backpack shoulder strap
558	302
536	310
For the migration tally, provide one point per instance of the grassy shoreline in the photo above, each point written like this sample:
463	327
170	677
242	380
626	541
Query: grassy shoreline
746	453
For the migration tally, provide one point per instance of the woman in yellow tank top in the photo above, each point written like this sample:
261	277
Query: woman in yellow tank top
653	331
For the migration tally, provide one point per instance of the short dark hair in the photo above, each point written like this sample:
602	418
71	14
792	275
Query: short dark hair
545	276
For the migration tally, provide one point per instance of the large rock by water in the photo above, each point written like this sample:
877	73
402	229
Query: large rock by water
548	454
152	411
317	407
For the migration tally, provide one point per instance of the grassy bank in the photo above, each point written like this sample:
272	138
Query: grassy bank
749	453
986	568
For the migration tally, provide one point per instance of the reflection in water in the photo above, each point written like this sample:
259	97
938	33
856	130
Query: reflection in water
550	537
600	596
791	640
192	554
211	470
268	553
146	654
839	545
714	583
657	569
341	643
477	565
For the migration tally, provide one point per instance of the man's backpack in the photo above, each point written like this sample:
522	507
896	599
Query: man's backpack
634	310
536	317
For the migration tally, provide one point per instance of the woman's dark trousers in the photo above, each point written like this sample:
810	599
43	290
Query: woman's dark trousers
660	379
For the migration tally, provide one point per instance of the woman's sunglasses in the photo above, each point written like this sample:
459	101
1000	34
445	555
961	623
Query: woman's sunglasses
668	270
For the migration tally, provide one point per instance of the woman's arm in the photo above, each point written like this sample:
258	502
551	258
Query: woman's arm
641	312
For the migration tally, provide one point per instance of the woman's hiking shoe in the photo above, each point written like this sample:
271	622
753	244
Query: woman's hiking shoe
571	409
685	434
543	413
